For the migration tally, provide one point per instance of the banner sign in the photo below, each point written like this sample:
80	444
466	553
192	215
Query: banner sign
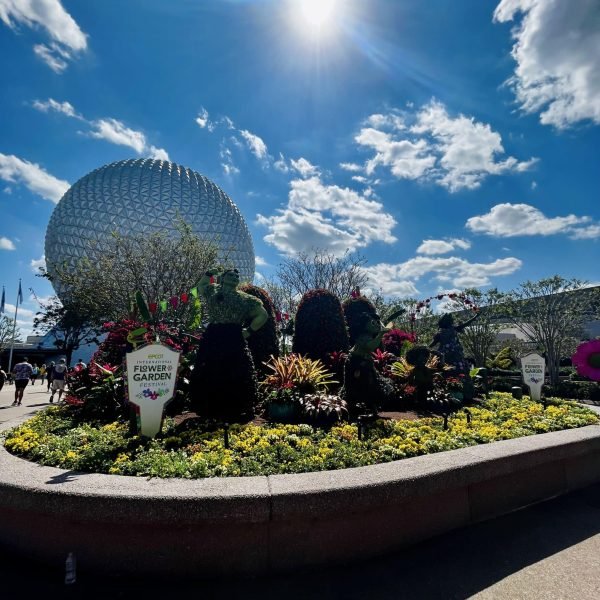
533	367
151	377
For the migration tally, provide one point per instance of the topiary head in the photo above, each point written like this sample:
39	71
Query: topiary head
418	356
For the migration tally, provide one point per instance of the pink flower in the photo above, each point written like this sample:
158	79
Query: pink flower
587	359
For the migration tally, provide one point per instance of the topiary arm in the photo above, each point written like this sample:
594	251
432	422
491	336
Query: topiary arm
258	317
204	284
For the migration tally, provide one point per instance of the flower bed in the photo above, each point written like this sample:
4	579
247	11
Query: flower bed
54	438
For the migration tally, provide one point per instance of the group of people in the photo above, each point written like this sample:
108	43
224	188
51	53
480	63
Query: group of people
23	373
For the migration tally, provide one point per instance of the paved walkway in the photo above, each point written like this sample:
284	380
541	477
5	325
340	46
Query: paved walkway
35	398
550	551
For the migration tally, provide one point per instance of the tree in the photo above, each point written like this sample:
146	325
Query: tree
157	265
421	322
6	333
284	299
551	313
322	270
69	325
480	336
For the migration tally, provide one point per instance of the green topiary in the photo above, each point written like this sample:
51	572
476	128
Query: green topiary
262	343
320	328
353	309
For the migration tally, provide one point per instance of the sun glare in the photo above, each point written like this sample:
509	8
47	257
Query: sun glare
315	15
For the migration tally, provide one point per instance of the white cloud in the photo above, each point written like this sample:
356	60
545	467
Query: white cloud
108	129
256	145
304	167
380	121
442	246
459	272
586	233
66	108
158	153
227	122
406	159
511	220
228	165
6	244
38	263
203	120
52	58
557	51
260	261
23	312
454	152
281	164
468	151
352	167
116	132
67	37
328	217
16	170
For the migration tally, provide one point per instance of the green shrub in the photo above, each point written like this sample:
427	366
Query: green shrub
577	390
320	328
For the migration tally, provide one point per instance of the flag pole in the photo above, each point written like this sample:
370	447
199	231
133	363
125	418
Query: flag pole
12	341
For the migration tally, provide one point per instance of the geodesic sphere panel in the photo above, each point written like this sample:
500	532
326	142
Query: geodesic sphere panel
143	196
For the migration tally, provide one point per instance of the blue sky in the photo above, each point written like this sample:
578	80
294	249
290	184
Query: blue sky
452	143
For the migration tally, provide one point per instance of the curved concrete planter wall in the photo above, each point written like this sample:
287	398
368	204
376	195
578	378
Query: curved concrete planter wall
252	525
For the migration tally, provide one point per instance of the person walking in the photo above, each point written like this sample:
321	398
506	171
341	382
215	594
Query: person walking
50	371
22	373
42	373
80	365
35	371
59	375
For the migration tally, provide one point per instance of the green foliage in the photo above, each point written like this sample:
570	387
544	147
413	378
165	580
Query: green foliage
142	307
577	390
550	314
501	360
70	324
298	373
263	343
55	437
158	265
353	309
320	328
324	408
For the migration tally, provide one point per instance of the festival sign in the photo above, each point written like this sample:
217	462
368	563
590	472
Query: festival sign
151	377
533	367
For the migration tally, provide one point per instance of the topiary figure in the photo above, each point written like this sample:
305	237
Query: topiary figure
353	309
320	328
262	343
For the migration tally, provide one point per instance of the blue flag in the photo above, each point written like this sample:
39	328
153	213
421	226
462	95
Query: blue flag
20	294
2	301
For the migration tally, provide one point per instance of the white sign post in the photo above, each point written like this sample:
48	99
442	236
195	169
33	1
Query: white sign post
534	369
151	377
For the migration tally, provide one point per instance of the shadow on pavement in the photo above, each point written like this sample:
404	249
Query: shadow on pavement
453	566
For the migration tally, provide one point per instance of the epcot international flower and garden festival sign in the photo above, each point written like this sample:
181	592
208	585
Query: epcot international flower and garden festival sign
534	369
151	377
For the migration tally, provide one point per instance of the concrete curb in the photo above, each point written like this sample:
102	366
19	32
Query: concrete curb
253	525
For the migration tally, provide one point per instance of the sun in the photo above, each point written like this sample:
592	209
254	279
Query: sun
314	17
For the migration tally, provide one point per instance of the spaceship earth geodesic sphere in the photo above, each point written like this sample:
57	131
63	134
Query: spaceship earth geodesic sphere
144	196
